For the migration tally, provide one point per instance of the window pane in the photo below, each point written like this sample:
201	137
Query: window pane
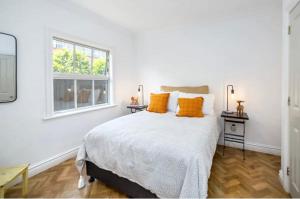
101	91
83	60
63	94
84	93
62	57
99	62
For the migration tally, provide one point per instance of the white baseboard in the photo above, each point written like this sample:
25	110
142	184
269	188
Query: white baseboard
52	161
263	148
43	165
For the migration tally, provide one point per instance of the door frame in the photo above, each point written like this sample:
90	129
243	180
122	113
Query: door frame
288	7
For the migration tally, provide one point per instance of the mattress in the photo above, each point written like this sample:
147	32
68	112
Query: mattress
168	155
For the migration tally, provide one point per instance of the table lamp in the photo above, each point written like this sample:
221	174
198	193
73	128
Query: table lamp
141	93
232	92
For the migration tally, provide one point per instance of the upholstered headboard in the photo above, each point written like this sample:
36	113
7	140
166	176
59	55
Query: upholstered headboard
186	89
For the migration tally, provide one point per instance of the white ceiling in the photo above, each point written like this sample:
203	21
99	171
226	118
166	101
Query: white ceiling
143	15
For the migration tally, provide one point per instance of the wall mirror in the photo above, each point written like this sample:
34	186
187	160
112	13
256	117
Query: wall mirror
8	68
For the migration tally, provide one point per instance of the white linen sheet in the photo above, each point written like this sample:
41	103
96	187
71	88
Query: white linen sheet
168	155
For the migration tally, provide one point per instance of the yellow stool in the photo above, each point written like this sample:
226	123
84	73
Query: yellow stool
7	175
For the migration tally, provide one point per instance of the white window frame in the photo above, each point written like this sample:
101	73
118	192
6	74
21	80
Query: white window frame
51	75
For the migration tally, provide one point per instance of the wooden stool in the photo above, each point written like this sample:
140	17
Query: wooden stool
7	175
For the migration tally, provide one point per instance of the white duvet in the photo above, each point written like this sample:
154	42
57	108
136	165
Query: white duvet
168	155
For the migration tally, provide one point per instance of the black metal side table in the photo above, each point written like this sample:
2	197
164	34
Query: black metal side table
231	137
134	108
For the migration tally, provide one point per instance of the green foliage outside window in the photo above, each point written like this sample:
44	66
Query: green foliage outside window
63	63
99	66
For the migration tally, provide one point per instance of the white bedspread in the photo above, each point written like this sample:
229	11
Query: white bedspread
168	155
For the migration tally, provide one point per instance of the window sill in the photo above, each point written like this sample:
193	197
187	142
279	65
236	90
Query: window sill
74	112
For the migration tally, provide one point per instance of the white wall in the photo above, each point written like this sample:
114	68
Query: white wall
24	135
242	49
288	5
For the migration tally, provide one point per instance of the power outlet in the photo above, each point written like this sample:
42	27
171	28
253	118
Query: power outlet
233	127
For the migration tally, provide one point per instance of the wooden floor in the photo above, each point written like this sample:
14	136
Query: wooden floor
257	176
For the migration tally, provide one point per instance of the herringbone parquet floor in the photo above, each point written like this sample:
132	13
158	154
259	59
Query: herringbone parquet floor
257	176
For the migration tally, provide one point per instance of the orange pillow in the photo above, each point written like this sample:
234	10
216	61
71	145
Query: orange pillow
190	107
158	102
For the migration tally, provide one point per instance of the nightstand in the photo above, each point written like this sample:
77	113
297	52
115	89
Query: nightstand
134	108
234	118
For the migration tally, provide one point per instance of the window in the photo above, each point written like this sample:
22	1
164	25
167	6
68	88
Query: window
80	75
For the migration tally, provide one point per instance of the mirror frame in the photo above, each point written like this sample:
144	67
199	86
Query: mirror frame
16	73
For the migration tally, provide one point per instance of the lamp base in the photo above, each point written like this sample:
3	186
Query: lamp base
228	112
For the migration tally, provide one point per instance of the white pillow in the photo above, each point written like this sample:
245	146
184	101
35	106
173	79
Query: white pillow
208	104
172	103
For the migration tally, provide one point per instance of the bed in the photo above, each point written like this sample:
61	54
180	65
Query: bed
152	155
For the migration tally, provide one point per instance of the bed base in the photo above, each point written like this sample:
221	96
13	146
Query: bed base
131	189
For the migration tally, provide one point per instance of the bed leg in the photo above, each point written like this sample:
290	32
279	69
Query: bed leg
92	179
